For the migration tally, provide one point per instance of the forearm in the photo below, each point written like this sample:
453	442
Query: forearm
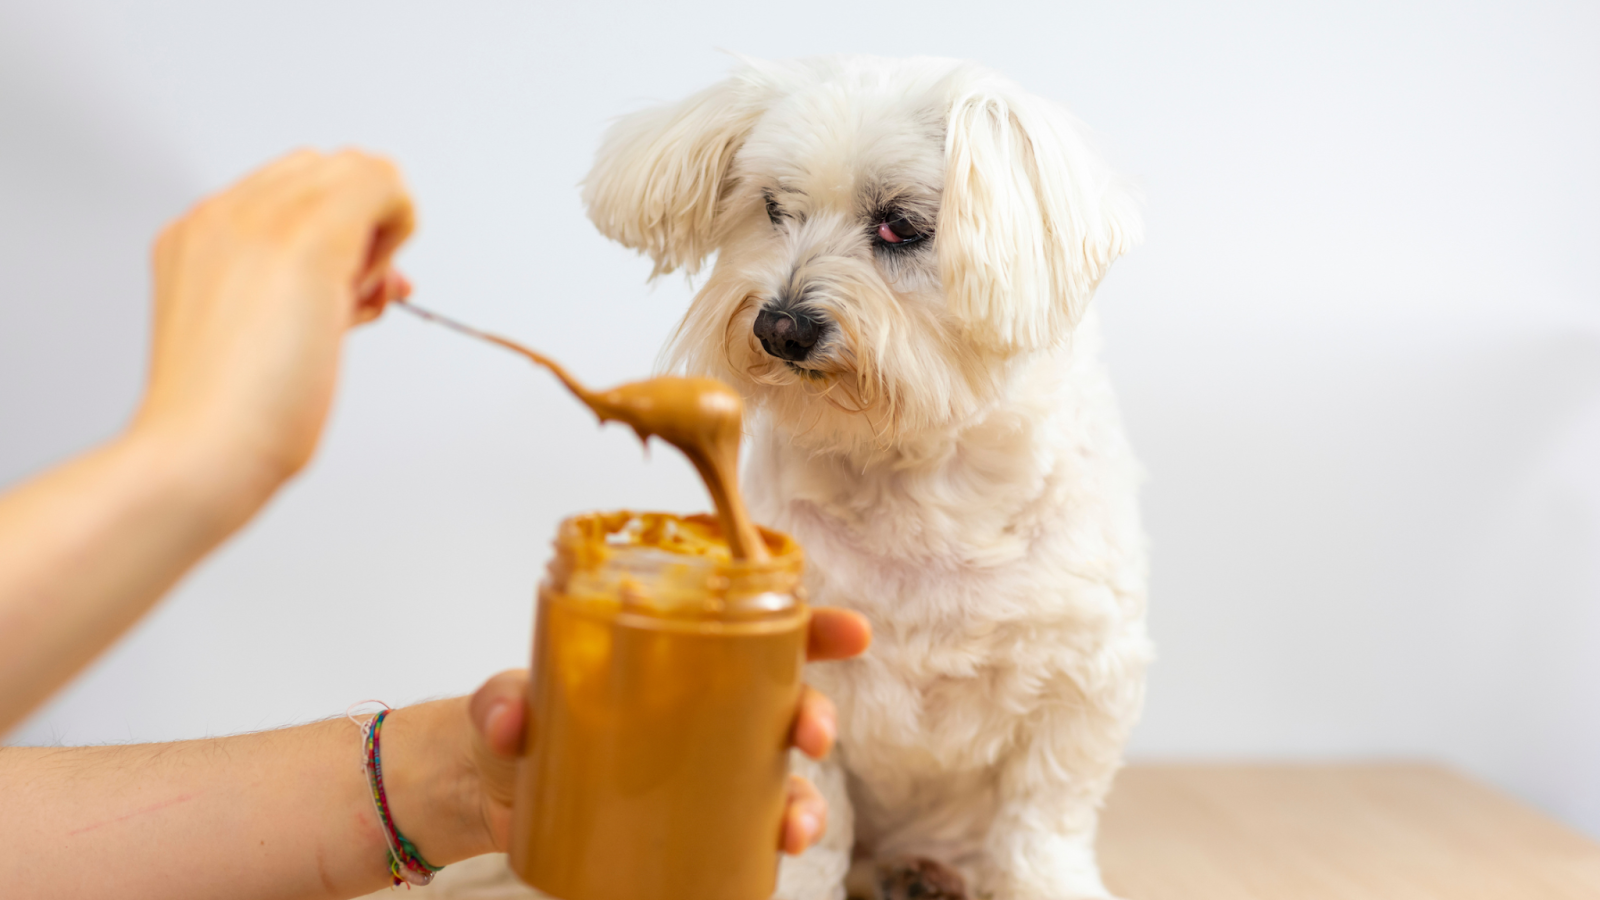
280	814
88	547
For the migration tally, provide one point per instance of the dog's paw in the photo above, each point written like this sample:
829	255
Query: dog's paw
917	878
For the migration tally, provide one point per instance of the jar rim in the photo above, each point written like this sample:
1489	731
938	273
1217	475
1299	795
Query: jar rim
591	539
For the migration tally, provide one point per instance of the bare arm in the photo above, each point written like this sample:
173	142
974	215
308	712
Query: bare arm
280	814
254	291
286	814
86	548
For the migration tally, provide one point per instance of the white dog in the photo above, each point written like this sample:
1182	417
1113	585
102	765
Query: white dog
905	254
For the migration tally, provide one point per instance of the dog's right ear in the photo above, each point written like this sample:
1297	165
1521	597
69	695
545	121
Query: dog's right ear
1031	216
661	173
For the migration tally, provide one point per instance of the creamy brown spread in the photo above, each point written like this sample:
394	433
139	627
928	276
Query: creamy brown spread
665	680
702	417
667	666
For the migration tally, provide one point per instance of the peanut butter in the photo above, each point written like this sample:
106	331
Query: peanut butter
702	417
666	674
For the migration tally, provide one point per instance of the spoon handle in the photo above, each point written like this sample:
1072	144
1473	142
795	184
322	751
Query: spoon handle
572	384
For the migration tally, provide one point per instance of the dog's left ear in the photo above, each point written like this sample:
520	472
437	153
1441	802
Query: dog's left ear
661	173
1030	220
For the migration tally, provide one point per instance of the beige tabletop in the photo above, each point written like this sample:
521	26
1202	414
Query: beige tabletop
1226	832
1373	832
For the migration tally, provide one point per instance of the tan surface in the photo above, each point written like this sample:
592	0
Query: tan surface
1374	832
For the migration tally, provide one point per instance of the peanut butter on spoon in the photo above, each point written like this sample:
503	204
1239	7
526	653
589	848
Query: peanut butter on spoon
700	416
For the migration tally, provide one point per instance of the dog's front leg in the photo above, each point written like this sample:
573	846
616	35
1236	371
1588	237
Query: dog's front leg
818	873
1040	845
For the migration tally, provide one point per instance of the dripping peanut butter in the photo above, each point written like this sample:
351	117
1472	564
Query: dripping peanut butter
666	673
700	416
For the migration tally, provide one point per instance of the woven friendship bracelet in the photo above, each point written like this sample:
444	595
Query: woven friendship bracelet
406	865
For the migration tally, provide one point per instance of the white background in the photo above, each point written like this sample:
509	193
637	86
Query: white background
1359	350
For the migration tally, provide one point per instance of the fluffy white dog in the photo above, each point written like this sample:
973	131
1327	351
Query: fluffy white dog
905	254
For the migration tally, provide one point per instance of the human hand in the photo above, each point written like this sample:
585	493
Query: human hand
498	710
255	288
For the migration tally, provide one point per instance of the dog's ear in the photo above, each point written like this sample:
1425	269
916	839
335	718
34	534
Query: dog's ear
1030	220
661	173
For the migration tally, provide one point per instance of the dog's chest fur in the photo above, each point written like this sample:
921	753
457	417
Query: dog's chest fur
1002	572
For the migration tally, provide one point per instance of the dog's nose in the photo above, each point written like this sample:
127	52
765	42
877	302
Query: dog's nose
787	333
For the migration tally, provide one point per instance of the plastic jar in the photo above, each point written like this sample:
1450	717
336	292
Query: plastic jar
665	682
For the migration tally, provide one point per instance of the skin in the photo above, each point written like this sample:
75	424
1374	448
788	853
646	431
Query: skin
255	289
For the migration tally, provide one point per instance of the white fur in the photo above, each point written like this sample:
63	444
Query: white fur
950	455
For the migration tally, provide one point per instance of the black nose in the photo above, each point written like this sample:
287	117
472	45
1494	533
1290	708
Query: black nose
788	333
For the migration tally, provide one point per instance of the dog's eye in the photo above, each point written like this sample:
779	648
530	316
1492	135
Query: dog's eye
774	214
898	229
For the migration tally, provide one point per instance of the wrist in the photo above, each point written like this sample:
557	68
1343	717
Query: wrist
431	782
221	484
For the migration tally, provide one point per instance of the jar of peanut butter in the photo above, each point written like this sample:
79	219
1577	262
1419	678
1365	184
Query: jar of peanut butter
666	676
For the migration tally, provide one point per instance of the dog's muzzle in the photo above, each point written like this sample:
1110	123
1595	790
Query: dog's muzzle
788	333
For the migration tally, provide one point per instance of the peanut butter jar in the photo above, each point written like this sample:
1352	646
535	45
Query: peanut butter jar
666	677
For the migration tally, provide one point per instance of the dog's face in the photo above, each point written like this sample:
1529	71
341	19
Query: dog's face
890	237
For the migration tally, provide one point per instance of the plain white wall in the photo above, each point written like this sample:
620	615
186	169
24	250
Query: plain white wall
1359	351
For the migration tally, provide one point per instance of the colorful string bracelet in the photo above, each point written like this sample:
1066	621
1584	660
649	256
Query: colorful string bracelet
406	865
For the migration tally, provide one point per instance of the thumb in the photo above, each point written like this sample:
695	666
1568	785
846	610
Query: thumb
499	712
393	287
